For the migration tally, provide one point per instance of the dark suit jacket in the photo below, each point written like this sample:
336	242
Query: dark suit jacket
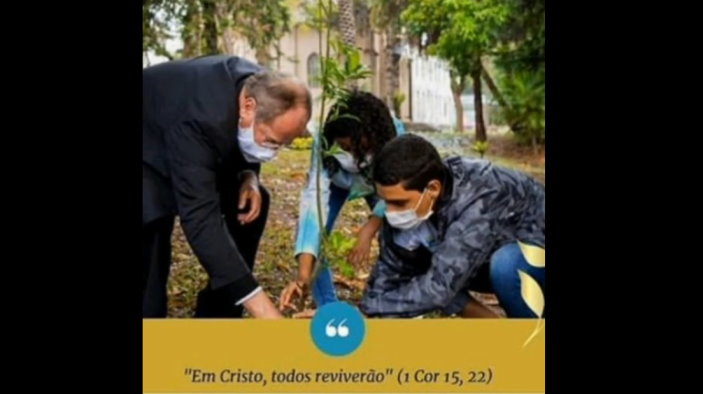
191	158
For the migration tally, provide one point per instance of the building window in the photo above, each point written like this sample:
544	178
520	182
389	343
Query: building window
314	70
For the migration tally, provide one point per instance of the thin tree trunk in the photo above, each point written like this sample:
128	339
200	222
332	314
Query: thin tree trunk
210	30
514	125
478	106
227	36
263	57
457	88
493	88
392	65
347	27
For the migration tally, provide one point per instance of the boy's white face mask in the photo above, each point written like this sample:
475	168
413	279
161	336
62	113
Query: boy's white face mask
406	220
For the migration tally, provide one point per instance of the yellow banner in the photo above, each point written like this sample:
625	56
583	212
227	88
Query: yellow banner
422	356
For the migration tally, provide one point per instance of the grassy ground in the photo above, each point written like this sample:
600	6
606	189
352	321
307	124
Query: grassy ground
285	177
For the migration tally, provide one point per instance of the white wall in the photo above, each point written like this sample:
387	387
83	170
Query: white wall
432	101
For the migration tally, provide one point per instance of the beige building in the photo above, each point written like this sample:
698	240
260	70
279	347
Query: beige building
424	80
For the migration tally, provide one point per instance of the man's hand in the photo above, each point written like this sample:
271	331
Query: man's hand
249	194
260	307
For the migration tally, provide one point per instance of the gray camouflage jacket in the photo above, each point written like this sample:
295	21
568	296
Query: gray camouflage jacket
482	208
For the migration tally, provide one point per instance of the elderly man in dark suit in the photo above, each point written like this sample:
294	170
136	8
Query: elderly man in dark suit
208	123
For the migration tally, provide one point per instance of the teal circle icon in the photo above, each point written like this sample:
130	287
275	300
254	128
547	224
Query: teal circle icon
338	329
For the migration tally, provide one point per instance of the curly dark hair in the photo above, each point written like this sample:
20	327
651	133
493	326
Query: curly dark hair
373	121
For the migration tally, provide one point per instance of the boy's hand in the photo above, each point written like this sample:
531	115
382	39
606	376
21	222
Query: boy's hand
361	250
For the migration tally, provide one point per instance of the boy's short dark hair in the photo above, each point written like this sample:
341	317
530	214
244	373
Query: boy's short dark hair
410	160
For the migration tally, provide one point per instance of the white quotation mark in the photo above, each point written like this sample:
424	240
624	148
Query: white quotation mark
341	329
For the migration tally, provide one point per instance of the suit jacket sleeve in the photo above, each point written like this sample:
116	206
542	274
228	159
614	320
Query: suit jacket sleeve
192	164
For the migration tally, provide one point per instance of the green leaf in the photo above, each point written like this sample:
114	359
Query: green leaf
334	150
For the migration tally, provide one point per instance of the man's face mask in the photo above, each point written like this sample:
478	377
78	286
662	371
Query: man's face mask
406	220
252	151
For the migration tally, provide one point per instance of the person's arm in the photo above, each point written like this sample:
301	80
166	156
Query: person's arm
192	167
367	233
307	244
467	243
361	250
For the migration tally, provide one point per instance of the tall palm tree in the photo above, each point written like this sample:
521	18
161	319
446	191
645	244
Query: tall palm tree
386	16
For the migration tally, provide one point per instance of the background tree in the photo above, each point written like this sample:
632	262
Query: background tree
462	32
386	17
